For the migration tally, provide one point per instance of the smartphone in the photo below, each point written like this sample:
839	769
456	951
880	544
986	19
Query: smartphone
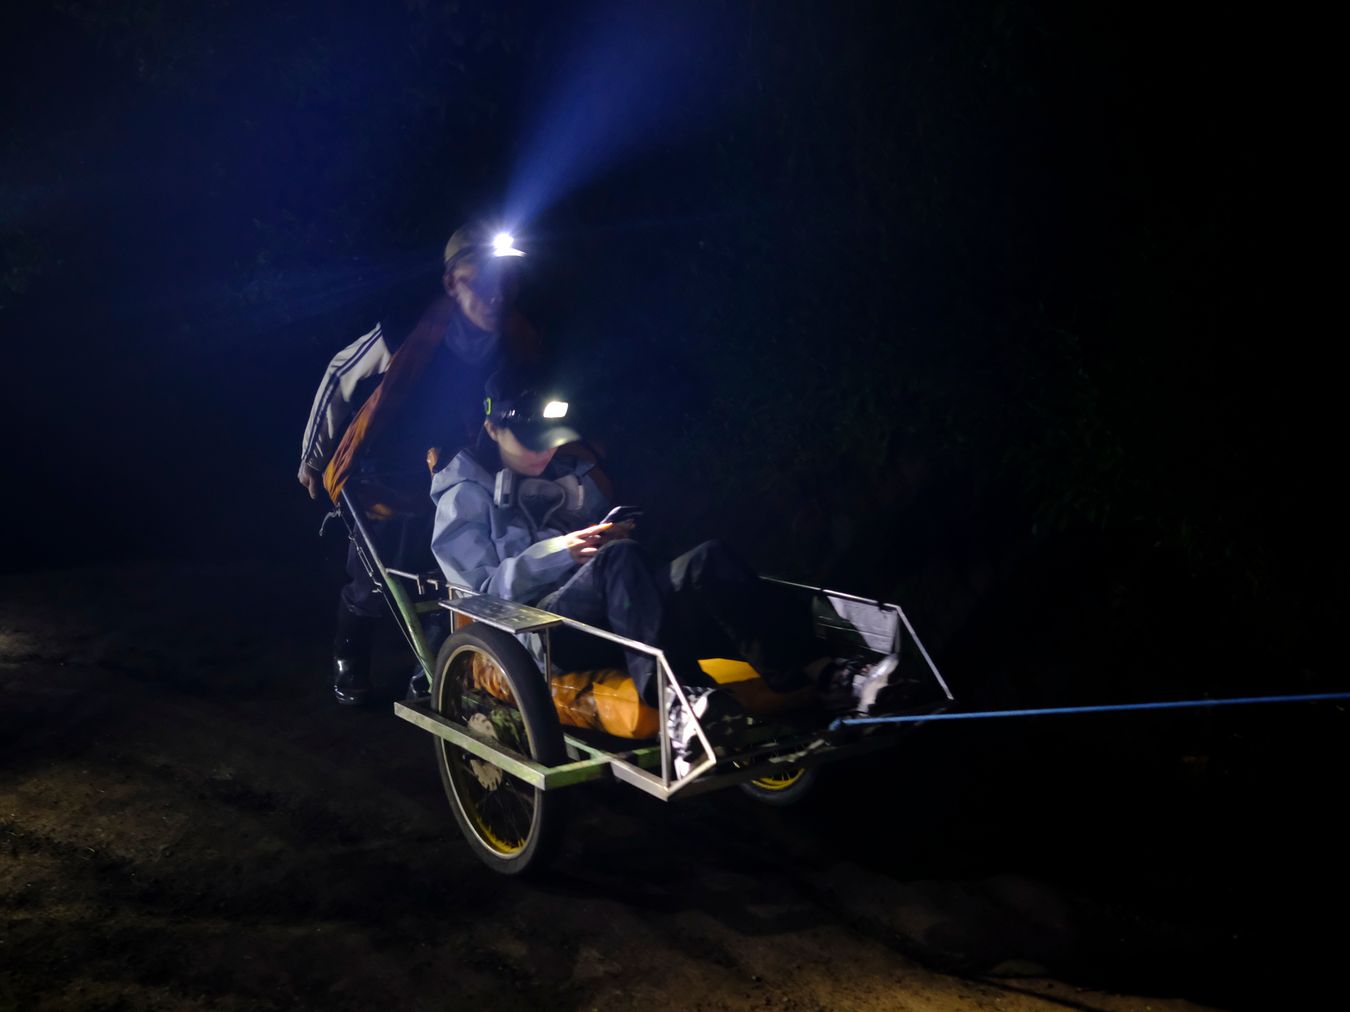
621	513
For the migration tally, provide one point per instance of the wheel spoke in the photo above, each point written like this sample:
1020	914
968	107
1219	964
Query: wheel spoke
503	812
504	818
506	822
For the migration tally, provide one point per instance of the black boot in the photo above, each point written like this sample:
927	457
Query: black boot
435	628
351	680
419	687
351	658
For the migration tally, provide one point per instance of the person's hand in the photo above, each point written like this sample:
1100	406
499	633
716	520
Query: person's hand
311	479
619	531
583	544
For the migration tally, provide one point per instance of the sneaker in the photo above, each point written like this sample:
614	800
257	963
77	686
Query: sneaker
716	711
856	684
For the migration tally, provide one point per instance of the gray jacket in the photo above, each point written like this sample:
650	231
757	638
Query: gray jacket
497	550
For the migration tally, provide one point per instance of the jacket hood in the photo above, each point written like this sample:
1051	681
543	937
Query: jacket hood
462	467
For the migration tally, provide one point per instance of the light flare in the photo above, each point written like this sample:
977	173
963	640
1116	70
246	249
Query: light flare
504	245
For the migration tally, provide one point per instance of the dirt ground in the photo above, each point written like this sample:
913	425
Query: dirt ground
188	821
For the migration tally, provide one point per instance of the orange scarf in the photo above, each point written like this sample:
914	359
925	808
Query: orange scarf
520	344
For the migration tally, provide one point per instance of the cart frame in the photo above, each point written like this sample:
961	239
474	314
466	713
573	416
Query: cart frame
647	766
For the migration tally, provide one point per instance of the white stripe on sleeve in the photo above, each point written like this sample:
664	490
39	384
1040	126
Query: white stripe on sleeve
365	357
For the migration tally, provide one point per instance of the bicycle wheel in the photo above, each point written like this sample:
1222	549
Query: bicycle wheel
782	789
487	682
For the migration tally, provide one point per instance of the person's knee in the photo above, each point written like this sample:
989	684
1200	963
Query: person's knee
710	562
713	549
616	554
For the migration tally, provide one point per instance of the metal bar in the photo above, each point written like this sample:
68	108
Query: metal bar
919	643
825	590
547	635
880	604
508	616
413	627
508	760
645	757
1051	711
696	784
709	762
649	783
354	516
657	787
819	757
664	671
577	745
404	615
604	634
420	580
663	709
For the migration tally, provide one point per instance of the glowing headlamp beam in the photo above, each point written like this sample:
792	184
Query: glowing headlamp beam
555	409
504	245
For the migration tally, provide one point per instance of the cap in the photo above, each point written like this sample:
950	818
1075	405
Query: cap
518	400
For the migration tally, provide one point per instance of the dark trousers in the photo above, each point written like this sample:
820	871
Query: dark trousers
706	603
358	593
402	542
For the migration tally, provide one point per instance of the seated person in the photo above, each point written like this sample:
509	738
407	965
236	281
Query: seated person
519	521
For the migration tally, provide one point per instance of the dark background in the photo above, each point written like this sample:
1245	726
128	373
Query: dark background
1022	315
1018	313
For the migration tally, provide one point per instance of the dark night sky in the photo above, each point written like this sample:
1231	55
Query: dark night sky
979	303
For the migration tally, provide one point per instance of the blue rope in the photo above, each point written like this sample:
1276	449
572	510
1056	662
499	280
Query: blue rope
1178	704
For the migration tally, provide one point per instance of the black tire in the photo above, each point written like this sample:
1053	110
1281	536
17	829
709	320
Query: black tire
782	789
511	826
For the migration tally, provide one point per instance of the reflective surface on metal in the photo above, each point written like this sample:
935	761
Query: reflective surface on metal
509	761
507	615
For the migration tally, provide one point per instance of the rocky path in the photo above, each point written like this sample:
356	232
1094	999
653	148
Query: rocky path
186	821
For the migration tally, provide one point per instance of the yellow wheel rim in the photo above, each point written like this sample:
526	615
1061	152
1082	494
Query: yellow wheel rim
487	834
779	781
471	790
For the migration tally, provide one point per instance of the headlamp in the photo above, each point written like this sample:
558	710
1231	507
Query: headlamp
504	245
539	421
527	408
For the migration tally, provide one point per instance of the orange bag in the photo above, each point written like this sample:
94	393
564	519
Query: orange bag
607	700
604	700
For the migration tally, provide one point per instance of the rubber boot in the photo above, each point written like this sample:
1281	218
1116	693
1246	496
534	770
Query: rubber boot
351	658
